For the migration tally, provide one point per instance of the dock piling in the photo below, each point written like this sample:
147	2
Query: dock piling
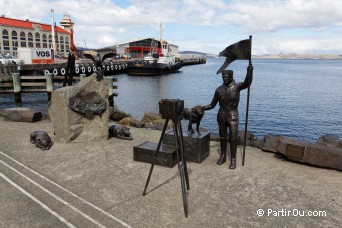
16	87
49	84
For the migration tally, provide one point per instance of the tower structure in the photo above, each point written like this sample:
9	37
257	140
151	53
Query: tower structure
68	25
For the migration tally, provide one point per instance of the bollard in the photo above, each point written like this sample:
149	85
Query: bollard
110	90
82	76
16	87
49	84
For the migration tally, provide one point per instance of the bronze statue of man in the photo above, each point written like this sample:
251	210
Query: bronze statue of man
228	96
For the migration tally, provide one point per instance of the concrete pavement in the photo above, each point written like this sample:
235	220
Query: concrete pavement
97	184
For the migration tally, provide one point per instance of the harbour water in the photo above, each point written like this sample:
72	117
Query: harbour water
300	99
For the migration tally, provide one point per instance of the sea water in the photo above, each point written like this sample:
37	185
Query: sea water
300	99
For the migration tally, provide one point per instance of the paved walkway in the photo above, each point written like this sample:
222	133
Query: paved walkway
97	184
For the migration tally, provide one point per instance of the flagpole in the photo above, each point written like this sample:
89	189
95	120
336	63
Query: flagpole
247	107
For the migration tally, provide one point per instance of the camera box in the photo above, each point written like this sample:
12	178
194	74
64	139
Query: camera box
145	152
196	147
171	108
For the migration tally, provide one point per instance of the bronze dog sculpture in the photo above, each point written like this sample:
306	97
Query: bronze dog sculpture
41	139
194	115
120	132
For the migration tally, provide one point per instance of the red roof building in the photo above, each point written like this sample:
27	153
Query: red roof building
16	33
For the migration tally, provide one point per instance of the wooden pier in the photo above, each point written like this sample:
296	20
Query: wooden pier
12	82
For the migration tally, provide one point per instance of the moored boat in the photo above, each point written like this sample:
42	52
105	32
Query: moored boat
155	64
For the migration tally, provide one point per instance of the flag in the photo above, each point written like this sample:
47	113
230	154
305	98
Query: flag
239	50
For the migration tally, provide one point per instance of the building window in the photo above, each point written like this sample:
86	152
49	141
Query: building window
61	42
30	39
44	41
5	42
37	39
22	39
30	36
14	35
15	45
6	45
5	34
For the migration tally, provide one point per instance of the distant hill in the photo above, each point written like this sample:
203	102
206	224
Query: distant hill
275	56
198	53
298	56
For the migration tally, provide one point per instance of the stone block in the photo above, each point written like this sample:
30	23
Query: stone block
70	126
323	156
145	152
21	115
197	148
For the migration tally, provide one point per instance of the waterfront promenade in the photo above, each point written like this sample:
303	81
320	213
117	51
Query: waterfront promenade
97	184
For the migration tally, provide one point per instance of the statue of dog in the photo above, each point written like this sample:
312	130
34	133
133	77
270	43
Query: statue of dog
41	139
194	115
120	132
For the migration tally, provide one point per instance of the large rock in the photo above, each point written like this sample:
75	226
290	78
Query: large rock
323	156
21	115
313	154
151	116
330	140
118	115
70	126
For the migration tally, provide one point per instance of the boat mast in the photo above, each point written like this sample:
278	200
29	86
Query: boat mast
53	31
161	32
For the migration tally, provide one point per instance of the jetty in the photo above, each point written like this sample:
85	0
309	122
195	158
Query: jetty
14	80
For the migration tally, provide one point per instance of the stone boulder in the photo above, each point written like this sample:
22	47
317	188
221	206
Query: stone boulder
151	116
313	154
70	126
118	115
137	123
21	115
251	139
329	157
126	121
330	140
271	143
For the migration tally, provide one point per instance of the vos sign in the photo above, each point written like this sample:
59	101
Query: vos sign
36	55
42	54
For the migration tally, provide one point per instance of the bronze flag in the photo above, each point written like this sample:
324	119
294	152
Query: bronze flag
239	50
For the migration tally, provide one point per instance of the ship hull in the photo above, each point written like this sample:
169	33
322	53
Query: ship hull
149	69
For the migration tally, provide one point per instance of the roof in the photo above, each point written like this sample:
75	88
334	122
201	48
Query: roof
132	41
29	24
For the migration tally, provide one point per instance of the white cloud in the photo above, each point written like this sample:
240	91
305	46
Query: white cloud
274	24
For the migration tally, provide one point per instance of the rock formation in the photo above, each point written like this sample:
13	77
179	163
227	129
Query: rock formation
71	126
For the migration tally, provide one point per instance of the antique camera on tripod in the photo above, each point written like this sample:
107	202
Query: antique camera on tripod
171	109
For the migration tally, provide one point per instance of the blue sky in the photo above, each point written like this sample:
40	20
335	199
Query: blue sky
277	26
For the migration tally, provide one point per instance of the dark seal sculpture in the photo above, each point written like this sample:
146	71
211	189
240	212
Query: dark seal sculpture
120	132
41	139
88	103
194	115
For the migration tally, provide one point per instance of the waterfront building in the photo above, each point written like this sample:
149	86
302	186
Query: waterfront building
15	33
140	48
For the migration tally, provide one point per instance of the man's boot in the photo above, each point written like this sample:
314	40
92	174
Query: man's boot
233	148
223	156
